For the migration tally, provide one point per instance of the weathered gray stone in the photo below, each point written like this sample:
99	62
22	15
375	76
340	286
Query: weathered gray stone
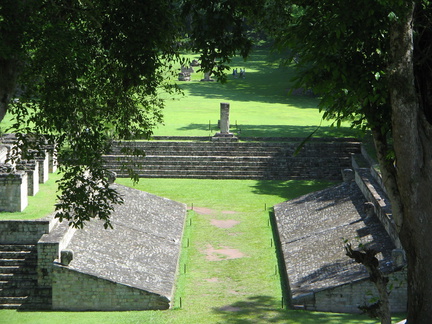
66	256
312	229
347	175
13	191
141	252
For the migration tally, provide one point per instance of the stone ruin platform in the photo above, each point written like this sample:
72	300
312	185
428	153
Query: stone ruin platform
312	230
132	266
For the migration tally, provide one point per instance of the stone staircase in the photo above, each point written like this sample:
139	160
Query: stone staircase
266	160
18	279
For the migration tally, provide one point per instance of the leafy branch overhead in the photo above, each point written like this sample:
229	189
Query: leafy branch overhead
86	73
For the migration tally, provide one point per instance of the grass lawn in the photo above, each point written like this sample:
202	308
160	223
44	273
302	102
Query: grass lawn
259	104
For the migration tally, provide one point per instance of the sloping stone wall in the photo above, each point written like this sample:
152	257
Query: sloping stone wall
347	298
73	290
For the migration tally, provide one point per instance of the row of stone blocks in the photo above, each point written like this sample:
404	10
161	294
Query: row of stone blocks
233	160
21	179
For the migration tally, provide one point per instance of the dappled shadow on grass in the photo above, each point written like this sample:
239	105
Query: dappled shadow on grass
266	309
290	189
275	130
248	90
264	81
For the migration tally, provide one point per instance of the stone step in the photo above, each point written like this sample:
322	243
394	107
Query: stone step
17	292
9	269
18	277
224	176
237	149
292	173
246	159
234	160
245	153
17	262
12	300
281	165
18	283
26	302
217	162
336	142
17	269
10	306
18	255
30	275
17	247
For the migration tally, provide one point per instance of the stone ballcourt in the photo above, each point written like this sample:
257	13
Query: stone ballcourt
135	265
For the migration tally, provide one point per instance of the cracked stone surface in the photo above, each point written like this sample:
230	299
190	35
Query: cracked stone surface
312	229
142	250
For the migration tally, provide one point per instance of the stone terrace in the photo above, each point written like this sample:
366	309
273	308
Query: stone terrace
252	158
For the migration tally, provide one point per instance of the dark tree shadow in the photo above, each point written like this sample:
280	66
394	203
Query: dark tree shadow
244	130
269	83
266	309
290	189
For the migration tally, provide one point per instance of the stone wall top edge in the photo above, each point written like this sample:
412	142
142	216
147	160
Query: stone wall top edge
24	221
17	174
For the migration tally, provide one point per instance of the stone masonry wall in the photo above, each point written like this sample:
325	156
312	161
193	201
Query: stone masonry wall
13	191
31	167
77	291
22	232
347	298
49	247
44	166
382	208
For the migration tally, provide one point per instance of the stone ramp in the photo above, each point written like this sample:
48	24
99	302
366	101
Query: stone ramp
141	253
312	229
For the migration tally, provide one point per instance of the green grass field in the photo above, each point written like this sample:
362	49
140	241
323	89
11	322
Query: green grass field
259	104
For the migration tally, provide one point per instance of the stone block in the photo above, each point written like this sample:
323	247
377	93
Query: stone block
31	167
13	191
43	159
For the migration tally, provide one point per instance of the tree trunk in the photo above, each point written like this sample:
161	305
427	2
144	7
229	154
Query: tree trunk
8	76
367	257
413	152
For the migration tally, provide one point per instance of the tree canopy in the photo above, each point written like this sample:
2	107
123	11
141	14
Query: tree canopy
370	62
84	73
